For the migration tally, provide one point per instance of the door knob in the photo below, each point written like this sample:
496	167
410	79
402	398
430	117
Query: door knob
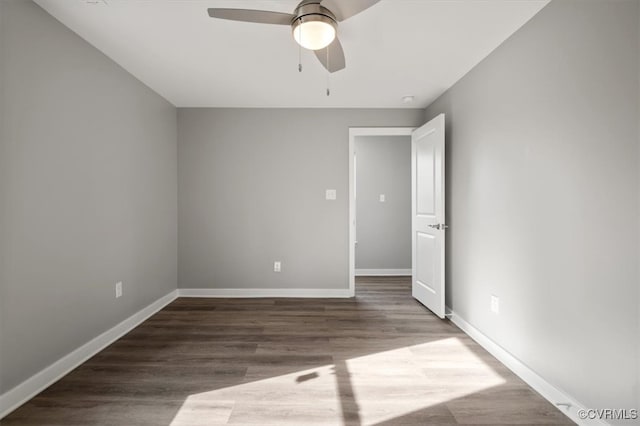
439	226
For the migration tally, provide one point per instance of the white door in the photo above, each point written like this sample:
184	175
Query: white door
427	209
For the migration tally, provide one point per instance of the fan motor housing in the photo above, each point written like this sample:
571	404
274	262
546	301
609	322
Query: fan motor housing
318	17
314	12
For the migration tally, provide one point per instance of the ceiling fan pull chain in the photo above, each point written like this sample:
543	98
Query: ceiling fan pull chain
300	49
328	74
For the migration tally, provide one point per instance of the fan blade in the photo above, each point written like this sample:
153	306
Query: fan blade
246	15
346	9
336	60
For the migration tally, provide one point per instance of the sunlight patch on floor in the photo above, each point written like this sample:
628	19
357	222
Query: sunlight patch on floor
362	389
390	384
306	397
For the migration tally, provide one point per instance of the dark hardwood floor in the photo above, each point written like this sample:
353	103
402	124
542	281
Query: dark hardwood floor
378	359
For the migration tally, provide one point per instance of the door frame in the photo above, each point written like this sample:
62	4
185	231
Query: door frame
353	133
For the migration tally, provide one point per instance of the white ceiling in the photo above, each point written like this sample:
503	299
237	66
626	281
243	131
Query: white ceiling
395	48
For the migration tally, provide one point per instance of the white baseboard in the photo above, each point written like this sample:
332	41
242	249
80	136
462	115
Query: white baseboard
17	396
565	403
382	272
263	292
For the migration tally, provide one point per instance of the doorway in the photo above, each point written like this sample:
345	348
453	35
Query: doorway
379	202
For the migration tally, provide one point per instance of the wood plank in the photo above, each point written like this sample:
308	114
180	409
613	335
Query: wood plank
378	359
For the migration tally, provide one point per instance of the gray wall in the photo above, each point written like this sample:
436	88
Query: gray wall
542	174
251	185
88	192
383	229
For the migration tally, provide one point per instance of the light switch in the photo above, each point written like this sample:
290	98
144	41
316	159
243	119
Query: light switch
382	198
495	304
330	194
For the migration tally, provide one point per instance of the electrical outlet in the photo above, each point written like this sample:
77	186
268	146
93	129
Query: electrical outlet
277	266
330	194
495	304
382	198
118	289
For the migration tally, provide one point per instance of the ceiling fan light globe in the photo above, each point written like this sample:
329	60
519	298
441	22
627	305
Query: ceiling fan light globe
314	34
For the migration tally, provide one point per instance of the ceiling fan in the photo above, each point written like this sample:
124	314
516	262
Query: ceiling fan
314	24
